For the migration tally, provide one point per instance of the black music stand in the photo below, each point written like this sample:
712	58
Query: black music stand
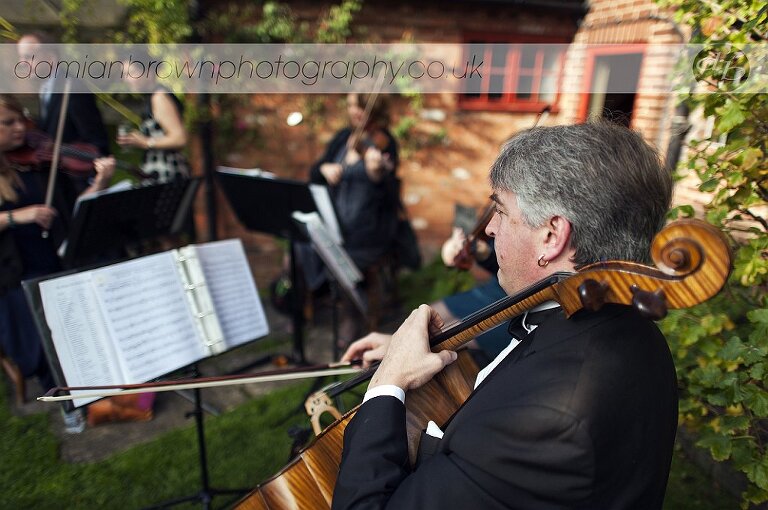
206	493
265	204
112	220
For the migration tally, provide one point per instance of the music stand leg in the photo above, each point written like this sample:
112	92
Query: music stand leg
206	494
335	319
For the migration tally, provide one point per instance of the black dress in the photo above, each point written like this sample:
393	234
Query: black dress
36	256
367	211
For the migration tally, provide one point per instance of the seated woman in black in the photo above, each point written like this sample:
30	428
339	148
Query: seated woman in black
360	172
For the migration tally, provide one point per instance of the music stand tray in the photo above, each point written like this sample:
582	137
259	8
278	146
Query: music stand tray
265	204
112	220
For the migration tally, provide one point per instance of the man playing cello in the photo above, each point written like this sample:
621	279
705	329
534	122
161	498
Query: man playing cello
574	413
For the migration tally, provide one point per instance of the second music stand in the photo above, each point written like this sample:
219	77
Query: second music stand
265	204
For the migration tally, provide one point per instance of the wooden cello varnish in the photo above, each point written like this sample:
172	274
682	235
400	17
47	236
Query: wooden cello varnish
308	481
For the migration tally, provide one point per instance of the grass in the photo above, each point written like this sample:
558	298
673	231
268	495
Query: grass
245	446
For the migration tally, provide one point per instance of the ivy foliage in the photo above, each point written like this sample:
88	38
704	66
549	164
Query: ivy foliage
721	346
267	22
275	22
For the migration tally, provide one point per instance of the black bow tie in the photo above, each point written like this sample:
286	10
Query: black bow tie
516	328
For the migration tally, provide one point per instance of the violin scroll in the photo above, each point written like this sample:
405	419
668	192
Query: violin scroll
675	252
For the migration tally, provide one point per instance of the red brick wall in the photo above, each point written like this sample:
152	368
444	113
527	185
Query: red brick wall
435	176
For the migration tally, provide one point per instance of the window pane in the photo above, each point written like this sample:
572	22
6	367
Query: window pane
551	55
497	86
548	88
528	56
524	86
473	85
499	55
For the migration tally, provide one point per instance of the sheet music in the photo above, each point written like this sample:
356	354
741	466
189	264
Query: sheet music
79	333
235	297
147	316
326	210
250	172
334	257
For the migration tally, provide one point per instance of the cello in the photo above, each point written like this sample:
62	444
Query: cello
692	263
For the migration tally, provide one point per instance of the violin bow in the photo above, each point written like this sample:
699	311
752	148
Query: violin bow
57	148
366	114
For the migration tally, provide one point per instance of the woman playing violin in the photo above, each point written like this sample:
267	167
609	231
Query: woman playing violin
25	253
359	167
574	413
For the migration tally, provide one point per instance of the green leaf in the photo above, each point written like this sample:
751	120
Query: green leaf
756	400
732	350
758	473
731	115
709	185
681	211
758	316
718	445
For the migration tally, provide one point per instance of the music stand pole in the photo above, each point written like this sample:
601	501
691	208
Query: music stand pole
335	317
206	493
298	307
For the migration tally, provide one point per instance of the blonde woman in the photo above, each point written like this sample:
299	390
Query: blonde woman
24	252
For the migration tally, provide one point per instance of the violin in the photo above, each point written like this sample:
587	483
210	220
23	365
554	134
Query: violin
76	158
466	256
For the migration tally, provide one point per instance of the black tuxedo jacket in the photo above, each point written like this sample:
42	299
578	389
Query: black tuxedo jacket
83	122
581	414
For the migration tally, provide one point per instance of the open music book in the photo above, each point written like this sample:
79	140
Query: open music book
138	320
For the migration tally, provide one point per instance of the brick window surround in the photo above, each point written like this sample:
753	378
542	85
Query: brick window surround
529	73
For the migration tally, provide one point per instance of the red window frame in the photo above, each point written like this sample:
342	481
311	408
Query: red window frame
589	68
509	100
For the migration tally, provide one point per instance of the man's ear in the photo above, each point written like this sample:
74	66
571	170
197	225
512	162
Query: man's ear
558	239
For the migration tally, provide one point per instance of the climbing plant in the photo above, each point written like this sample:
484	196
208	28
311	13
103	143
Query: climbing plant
721	346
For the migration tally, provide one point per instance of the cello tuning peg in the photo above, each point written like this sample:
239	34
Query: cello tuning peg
592	294
651	305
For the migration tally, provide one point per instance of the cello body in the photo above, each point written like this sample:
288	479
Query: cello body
308	481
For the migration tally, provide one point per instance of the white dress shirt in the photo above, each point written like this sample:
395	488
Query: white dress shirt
391	390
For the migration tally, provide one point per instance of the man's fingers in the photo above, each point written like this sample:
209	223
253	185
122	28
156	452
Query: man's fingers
355	352
436	323
447	357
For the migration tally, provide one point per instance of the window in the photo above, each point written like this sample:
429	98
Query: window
520	77
612	75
